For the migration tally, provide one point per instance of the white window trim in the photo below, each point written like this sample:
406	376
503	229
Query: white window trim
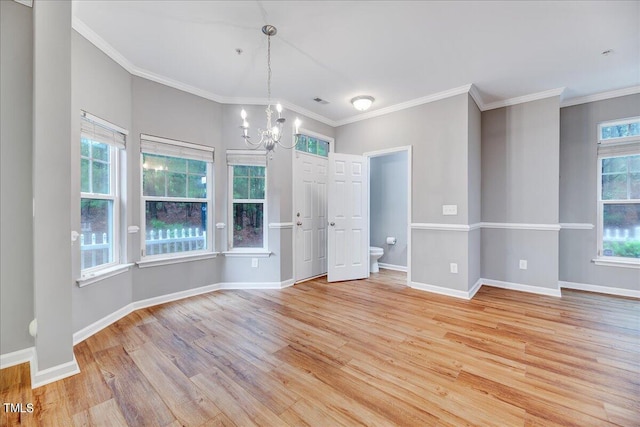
620	139
103	274
257	251
312	134
601	259
88	274
176	257
153	261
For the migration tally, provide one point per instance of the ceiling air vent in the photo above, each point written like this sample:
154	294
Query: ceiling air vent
321	101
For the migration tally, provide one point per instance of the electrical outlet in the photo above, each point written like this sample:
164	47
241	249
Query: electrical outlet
523	264
453	267
254	262
449	209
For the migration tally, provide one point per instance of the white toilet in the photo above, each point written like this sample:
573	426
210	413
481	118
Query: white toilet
374	254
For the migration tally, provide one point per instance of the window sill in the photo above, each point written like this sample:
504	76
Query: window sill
247	254
103	274
608	262
154	262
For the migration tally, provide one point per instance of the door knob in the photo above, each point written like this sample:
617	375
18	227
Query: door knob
332	223
299	223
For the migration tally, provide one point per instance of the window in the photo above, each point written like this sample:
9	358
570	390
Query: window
100	143
176	195
309	144
619	191
247	212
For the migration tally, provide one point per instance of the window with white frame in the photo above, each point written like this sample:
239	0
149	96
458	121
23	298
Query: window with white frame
100	143
247	205
176	198
619	190
312	145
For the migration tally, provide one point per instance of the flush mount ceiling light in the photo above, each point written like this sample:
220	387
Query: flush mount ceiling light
362	102
269	137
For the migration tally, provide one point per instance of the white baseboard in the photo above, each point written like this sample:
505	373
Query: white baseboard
287	283
486	282
162	299
256	285
521	287
55	373
392	267
476	287
600	289
440	290
99	325
17	357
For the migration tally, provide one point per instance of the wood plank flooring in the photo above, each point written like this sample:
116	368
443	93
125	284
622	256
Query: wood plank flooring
368	352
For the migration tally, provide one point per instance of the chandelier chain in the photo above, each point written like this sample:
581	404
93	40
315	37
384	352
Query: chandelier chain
269	68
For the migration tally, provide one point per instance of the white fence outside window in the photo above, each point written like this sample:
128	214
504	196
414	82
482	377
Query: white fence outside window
156	242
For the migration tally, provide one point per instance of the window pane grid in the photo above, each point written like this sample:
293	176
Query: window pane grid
620	207
167	176
174	193
247	206
95	165
98	205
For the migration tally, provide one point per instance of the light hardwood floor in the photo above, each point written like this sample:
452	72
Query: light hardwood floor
368	352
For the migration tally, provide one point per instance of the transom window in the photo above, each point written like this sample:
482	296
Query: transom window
99	194
176	189
312	145
619	191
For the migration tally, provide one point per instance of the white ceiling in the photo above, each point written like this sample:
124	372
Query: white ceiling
396	51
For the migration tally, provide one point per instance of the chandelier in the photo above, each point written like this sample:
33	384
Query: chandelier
272	134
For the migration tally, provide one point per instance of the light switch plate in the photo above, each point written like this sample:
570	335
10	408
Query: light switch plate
453	267
254	262
523	264
449	209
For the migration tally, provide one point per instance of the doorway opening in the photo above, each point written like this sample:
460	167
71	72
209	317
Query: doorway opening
390	207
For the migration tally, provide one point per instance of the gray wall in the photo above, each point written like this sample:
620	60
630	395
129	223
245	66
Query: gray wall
52	182
16	250
578	192
439	134
520	182
102	88
388	205
170	113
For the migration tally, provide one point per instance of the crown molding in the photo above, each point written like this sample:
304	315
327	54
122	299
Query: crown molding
101	43
471	89
475	94
525	98
28	3
112	53
600	96
404	105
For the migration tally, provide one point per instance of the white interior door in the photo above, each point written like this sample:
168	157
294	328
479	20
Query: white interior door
310	217
348	215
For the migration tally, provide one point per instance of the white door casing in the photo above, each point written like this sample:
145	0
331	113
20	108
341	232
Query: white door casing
310	216
348	232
